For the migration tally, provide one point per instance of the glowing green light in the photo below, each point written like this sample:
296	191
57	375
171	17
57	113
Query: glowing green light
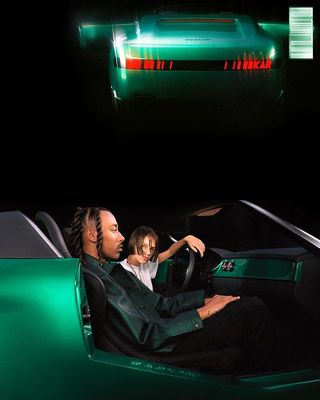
272	52
301	32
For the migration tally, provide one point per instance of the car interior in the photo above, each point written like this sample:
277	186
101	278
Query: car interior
284	274
226	358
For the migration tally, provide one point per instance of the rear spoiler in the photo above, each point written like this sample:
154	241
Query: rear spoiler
281	30
197	20
92	35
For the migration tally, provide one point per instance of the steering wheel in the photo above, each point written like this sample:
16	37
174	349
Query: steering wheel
180	270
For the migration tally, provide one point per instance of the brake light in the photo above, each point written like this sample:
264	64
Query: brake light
148	64
242	65
245	64
133	63
197	20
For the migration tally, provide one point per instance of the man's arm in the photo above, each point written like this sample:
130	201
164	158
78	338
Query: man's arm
215	304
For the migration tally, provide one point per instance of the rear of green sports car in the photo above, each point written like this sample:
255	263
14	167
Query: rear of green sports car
221	57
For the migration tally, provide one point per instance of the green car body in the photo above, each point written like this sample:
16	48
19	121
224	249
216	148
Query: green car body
47	348
221	58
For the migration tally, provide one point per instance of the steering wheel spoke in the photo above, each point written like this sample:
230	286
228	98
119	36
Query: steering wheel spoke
181	270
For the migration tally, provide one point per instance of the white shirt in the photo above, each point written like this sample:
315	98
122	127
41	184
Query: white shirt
144	273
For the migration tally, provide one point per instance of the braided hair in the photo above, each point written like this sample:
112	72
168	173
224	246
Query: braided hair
83	216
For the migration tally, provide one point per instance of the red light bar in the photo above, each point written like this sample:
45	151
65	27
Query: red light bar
133	63
148	64
242	65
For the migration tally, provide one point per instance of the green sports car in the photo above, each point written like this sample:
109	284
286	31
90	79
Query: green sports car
193	54
48	349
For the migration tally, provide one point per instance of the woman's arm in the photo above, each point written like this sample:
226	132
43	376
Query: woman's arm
193	242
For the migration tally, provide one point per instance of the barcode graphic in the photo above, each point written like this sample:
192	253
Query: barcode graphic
300	32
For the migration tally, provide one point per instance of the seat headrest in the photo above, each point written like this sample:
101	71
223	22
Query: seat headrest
52	230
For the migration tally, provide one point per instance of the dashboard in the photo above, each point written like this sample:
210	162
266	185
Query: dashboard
285	278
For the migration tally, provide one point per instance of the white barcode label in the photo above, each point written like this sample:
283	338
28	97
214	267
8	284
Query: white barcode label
300	32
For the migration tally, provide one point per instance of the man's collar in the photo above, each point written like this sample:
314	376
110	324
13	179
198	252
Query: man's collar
94	263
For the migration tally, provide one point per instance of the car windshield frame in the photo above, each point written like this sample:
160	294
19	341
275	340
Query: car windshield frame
243	226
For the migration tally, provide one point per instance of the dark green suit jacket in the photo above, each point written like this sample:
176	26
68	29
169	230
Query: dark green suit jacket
146	320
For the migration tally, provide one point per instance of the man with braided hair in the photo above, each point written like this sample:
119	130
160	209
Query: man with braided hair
187	323
94	231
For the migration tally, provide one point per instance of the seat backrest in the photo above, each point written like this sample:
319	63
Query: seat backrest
52	230
218	360
96	293
66	232
97	299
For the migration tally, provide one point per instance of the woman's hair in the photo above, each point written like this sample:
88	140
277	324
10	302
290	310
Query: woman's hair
136	241
84	216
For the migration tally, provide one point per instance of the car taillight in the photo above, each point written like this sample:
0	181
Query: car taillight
242	65
148	64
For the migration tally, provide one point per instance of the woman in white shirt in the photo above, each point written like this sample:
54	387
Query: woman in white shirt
144	257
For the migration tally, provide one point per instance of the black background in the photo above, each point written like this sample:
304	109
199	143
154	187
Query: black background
60	150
